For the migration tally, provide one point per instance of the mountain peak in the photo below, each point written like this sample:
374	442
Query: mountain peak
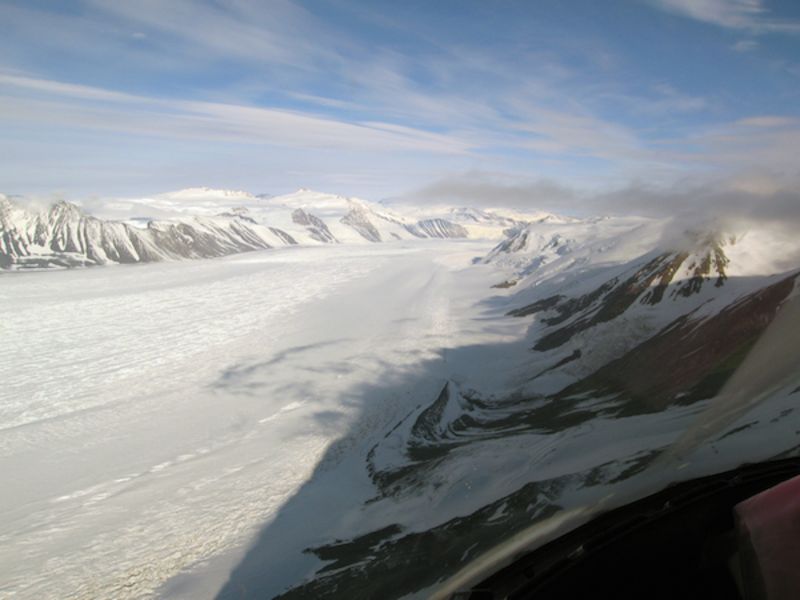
64	208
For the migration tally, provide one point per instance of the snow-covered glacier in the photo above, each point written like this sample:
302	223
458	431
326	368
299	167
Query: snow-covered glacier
152	417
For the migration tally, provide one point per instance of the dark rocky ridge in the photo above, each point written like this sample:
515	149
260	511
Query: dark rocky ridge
316	226
647	284
358	219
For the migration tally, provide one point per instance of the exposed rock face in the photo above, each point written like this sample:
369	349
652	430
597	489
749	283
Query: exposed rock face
537	235
710	262
441	228
649	284
414	230
288	239
316	226
358	219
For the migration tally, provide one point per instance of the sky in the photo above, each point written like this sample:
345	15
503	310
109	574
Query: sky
412	99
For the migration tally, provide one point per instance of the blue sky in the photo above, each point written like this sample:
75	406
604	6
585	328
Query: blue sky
102	97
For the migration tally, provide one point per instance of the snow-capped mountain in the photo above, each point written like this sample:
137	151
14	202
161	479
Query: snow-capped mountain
568	242
597	288
337	218
479	223
203	222
592	320
64	236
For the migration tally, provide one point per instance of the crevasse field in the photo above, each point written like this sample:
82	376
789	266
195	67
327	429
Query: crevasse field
152	417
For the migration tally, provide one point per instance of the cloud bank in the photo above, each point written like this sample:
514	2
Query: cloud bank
727	203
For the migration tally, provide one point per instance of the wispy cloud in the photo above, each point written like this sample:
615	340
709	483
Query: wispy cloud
455	125
747	45
766	143
750	15
370	97
280	32
70	105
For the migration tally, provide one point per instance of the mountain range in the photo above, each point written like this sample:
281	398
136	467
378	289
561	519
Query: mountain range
205	223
